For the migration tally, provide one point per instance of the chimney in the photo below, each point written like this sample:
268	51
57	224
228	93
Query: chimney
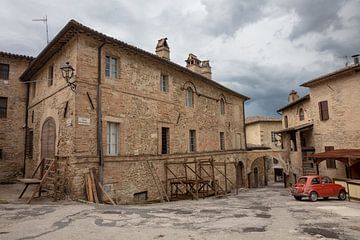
356	58
206	69
200	67
162	49
293	96
193	63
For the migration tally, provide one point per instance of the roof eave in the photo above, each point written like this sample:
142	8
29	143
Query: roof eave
304	98
326	77
72	23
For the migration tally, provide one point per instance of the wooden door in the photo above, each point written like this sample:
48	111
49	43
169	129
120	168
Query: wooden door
48	136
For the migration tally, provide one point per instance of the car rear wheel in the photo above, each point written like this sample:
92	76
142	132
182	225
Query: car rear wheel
313	196
342	195
297	198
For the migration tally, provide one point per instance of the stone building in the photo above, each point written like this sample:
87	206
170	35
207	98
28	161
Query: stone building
12	115
324	120
131	107
139	120
261	131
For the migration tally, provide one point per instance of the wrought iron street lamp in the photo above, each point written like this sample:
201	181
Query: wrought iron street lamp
68	74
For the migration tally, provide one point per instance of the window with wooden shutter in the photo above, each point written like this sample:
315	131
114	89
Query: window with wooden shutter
330	163
323	110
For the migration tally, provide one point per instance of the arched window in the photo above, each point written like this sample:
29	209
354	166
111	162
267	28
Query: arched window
301	114
286	123
222	106
189	97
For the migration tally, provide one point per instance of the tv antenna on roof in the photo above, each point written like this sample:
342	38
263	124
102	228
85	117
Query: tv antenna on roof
44	20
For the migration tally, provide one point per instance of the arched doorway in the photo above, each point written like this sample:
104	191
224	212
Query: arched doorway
240	172
48	136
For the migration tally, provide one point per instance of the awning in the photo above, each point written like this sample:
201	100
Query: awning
305	126
348	156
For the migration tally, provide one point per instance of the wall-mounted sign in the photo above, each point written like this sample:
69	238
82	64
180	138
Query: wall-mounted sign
68	122
84	121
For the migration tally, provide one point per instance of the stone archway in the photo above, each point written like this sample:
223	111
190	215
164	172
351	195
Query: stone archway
48	138
240	174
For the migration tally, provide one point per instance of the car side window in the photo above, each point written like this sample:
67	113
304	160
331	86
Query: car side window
315	181
326	180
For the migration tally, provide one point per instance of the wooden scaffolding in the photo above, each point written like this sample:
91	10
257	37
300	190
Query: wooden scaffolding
196	178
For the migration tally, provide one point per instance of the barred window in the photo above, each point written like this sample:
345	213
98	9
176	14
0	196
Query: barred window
192	140
222	141
3	107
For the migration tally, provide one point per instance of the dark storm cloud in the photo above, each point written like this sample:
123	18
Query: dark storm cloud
226	17
212	29
315	16
267	86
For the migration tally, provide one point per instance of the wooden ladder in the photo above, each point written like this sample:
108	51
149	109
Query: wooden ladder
46	167
157	182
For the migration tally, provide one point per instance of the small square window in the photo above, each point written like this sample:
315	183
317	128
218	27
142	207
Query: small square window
111	67
4	71
164	83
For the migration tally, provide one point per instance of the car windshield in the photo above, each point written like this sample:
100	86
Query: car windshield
302	180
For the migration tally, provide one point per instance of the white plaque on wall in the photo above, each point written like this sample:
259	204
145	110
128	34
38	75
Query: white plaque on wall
84	121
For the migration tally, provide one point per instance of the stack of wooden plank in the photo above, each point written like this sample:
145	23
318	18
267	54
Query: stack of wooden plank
94	191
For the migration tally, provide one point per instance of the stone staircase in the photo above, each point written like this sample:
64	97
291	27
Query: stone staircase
309	168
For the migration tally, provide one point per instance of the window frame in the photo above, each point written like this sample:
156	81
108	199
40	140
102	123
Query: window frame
164	78
222	141
109	143
301	114
330	163
192	140
111	72
324	110
167	140
189	98
4	108
50	75
286	121
222	106
4	71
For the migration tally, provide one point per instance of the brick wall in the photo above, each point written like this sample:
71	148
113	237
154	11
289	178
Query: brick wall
12	133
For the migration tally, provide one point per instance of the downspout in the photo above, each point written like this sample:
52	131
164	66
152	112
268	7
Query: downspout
99	120
244	130
26	127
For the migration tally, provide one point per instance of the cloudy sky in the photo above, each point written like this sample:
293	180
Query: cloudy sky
260	48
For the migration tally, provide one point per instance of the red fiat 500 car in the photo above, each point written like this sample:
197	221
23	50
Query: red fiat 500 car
314	187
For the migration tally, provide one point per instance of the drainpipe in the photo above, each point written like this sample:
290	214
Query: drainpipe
244	130
26	127
99	120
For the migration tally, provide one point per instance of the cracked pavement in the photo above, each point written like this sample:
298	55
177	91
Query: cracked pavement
266	213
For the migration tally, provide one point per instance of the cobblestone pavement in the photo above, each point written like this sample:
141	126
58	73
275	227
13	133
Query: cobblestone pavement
267	213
